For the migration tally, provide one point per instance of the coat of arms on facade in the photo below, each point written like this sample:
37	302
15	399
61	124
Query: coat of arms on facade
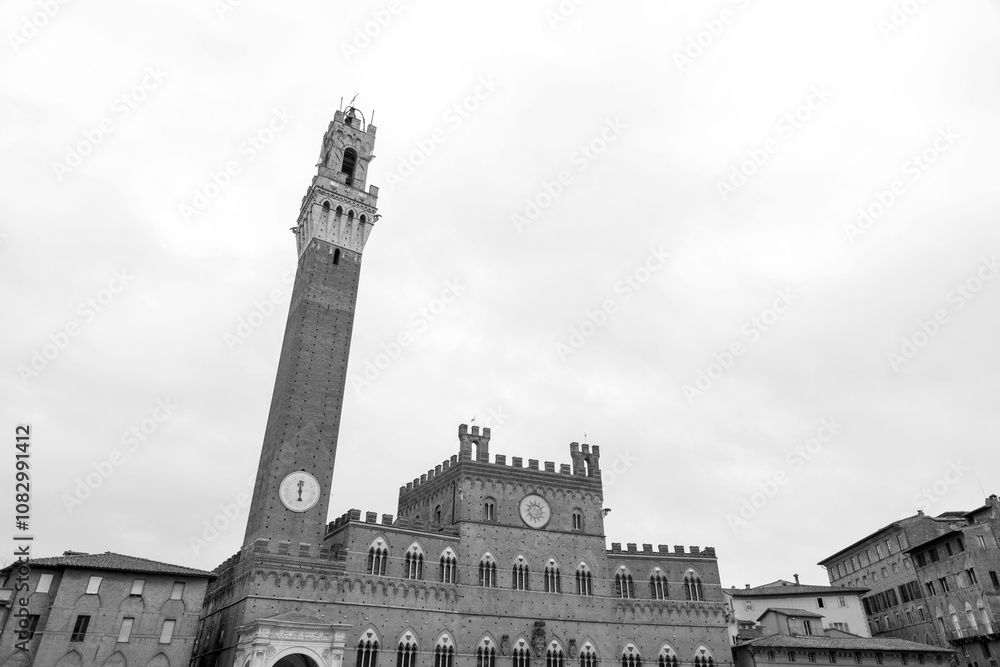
505	645
572	649
538	638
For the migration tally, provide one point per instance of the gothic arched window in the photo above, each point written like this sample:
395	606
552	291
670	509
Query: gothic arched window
367	653
624	585
658	585
413	562
692	586
553	582
519	574
406	654
488	572
449	567
378	557
583	580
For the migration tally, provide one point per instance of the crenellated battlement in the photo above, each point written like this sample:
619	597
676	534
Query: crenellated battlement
585	459
631	549
400	523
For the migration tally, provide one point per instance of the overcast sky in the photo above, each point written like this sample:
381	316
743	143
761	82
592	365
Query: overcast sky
645	216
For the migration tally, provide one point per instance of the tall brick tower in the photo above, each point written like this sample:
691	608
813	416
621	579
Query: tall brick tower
292	492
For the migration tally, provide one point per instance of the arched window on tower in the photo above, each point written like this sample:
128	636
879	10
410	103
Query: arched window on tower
413	562
367	653
350	162
631	656
692	586
326	212
336	256
578	520
554	655
490	510
583	580
588	657
437	514
444	652
378	557
519	574
449	567
553	582
658	584
667	658
488	572
624	586
486	654
406	653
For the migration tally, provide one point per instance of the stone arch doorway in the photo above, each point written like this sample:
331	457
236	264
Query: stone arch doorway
296	660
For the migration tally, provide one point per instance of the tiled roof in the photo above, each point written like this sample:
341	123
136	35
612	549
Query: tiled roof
822	642
788	611
794	589
113	561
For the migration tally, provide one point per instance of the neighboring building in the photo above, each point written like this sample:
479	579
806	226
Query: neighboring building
958	575
791	638
102	609
487	560
837	607
895	605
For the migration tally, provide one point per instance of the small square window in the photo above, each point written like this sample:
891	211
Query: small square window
178	590
820	603
748	605
44	583
125	632
94	585
137	585
167	633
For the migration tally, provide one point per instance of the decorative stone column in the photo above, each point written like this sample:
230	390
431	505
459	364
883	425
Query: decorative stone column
264	642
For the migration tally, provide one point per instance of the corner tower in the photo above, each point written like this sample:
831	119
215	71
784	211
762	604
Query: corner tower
294	478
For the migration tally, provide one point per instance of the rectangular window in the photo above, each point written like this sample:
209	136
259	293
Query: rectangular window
960	544
32	624
807	627
920	658
125	632
903	659
842	600
857	657
944	584
932	554
770	656
901	539
177	591
44	583
854	562
748	605
80	629
920	613
812	657
137	585
819	602
930	588
995	580
833	657
947	548
167	633
878	658
94	585
878	551
982	541
921	560
971	574
791	656
909	618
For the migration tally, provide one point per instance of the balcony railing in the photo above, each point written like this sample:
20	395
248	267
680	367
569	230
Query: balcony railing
970	633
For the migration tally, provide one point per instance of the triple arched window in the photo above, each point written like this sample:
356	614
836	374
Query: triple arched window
624	586
658	585
488	572
588	658
554	656
406	654
444	652
449	567
667	658
583	580
692	586
553	582
631	656
367	652
378	557
413	562
521	657
486	655
519	574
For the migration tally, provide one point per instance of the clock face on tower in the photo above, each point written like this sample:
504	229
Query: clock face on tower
299	491
535	511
